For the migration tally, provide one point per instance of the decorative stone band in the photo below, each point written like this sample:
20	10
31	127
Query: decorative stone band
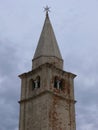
49	92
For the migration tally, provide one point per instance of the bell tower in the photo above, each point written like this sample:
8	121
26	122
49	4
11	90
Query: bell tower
47	91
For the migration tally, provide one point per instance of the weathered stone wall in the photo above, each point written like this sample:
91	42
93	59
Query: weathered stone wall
37	113
45	59
47	108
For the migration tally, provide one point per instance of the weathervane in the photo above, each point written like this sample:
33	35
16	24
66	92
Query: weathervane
47	9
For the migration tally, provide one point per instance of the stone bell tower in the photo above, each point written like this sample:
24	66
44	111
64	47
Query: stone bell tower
47	91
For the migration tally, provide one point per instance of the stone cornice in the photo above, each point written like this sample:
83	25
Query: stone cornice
49	92
24	75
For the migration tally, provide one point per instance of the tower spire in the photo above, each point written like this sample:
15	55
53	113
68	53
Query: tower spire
47	50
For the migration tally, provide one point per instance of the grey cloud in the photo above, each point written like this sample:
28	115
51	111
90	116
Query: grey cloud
9	92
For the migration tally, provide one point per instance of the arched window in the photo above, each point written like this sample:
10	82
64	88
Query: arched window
58	83
37	82
34	84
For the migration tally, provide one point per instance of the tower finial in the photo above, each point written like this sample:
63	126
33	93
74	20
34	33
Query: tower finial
47	9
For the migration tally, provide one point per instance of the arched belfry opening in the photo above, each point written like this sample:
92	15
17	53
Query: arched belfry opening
34	83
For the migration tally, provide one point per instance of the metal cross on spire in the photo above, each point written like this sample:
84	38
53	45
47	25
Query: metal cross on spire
47	9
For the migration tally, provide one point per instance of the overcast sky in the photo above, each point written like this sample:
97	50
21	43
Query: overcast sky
75	24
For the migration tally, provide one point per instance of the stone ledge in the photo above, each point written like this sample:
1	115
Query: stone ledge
49	92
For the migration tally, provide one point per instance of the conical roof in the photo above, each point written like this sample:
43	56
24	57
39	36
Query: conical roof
47	45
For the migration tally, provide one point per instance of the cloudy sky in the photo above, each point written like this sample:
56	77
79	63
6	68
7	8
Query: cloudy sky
75	24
